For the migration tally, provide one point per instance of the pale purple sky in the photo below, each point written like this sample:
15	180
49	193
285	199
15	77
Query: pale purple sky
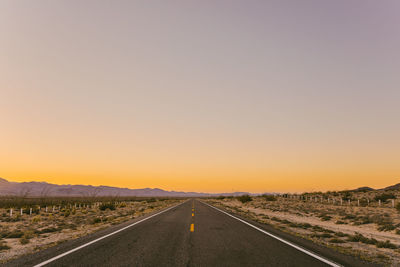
287	89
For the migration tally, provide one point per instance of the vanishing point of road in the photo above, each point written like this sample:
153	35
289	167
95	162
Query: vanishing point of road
190	234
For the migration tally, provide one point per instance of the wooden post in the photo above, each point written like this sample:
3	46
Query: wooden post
379	202
21	211
368	202
358	202
46	209
392	203
30	211
11	210
341	201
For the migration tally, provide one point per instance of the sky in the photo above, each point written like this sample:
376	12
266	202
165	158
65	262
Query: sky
210	96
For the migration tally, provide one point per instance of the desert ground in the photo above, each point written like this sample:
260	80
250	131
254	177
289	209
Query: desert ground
36	224
364	224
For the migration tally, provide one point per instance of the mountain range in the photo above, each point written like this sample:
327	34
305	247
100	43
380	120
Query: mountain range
35	189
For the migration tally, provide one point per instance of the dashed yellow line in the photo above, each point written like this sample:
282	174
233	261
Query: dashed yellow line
192	225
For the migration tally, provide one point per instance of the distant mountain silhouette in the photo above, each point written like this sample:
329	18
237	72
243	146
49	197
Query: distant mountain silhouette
26	189
393	187
363	189
366	188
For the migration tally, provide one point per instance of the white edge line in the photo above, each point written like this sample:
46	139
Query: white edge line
331	263
105	236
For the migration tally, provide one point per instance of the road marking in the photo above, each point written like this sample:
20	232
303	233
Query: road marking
312	254
100	238
192	214
192	227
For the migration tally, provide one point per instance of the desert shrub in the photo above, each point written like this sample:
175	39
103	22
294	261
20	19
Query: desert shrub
349	217
325	235
341	234
384	197
15	234
363	202
326	218
220	197
96	220
28	234
386	244
347	196
245	198
72	226
363	220
318	228
24	240
3	246
276	219
340	222
48	230
336	240
67	213
109	205
151	200
360	238
305	225
386	227
269	197
398	207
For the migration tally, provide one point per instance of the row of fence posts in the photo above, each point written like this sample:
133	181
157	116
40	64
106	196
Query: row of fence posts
76	206
333	200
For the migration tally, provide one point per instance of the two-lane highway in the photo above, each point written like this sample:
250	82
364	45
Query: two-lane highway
190	234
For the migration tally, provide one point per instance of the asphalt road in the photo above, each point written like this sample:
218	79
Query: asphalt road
191	234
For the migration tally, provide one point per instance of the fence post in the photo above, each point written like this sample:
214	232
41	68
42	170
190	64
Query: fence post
11	210
341	201
379	202
21	211
30	211
392	203
368	202
358	202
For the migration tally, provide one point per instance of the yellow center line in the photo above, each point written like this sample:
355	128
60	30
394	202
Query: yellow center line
192	227
192	214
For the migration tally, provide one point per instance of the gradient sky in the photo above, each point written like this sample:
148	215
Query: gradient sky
212	96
